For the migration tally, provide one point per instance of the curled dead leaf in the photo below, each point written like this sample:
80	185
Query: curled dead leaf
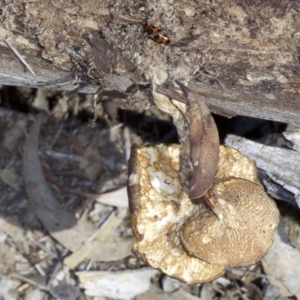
198	136
204	145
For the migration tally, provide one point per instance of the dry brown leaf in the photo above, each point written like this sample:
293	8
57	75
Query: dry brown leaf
112	251
91	161
90	249
204	146
199	142
14	133
61	224
9	177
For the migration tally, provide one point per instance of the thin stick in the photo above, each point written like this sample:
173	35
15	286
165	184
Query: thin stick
29	281
181	98
246	272
95	98
56	136
45	249
171	94
81	86
57	268
19	56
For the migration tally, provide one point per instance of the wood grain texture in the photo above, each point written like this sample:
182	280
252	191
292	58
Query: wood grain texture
242	57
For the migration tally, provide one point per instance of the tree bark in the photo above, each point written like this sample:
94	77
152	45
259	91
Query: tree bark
242	57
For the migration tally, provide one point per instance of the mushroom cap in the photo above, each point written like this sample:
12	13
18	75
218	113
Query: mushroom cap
234	164
159	208
238	230
234	226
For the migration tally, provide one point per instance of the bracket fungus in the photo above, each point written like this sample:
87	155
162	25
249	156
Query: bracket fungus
232	223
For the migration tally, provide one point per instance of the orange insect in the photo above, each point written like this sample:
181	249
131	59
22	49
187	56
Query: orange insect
156	35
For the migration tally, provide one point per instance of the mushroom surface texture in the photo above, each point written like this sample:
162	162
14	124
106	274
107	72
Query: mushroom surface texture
159	208
241	223
233	225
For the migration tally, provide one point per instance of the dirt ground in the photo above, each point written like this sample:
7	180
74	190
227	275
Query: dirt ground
84	169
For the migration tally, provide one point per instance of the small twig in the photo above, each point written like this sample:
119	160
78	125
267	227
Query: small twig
176	96
56	136
19	56
245	272
57	155
111	129
46	250
29	281
81	86
179	97
40	270
201	73
127	142
172	94
73	53
93	122
55	82
50	179
57	268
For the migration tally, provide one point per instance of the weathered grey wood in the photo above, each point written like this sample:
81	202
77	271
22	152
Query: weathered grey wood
241	56
277	106
13	73
280	165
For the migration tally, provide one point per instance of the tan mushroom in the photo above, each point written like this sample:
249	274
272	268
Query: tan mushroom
159	208
194	242
239	227
238	230
232	225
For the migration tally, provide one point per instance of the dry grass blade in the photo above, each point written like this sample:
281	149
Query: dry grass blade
19	56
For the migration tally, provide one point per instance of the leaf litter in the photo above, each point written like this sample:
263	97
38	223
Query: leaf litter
73	233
